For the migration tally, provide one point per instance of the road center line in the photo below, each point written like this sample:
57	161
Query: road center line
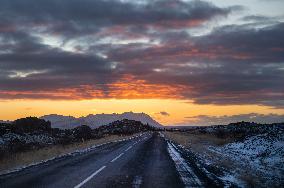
89	178
116	157
137	182
128	148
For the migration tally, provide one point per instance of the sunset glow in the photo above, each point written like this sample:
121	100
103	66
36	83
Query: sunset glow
191	60
22	108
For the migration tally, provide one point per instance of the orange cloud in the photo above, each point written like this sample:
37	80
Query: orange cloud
126	88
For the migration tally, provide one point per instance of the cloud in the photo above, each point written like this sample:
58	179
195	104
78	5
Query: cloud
231	65
70	18
125	49
163	113
222	120
257	18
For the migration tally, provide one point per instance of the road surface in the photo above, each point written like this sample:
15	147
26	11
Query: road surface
140	162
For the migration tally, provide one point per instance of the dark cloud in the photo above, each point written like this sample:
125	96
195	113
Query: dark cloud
222	120
231	65
258	18
88	49
70	18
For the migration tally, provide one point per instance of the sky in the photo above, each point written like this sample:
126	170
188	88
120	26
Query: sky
184	62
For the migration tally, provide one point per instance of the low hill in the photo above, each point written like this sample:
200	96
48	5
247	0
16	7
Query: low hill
124	126
97	120
31	133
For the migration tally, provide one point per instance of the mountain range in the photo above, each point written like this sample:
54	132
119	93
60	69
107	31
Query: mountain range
94	121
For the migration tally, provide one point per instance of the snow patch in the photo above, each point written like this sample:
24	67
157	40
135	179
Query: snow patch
262	154
186	173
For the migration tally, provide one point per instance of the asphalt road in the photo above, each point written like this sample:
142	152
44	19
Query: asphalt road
141	162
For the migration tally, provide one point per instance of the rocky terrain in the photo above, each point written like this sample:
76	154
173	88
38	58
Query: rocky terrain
33	133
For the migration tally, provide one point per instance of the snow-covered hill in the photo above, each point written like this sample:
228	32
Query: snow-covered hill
259	157
94	121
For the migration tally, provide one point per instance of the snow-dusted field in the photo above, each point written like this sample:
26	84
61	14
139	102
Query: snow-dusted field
261	156
256	159
26	138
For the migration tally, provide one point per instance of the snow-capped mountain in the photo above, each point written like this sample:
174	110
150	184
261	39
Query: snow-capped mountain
69	122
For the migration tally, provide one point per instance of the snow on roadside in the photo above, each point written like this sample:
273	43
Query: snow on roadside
216	175
186	173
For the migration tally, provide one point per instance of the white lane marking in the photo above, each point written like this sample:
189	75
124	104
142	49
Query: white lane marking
137	182
128	148
116	157
89	178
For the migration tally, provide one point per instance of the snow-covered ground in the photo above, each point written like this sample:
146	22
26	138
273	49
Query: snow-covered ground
25	139
239	155
260	156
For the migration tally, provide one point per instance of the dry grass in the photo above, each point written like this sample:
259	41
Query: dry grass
13	161
199	142
196	141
